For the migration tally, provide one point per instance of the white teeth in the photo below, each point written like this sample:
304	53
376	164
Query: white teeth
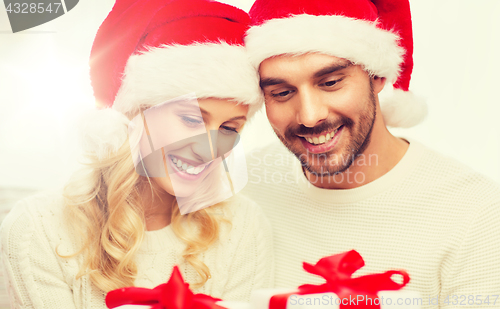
195	170
322	139
188	168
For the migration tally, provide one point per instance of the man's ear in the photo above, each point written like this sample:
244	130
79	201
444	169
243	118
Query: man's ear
378	83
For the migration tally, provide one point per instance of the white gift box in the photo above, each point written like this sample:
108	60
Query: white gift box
386	299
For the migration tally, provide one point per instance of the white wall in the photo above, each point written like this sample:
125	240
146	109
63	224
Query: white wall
44	87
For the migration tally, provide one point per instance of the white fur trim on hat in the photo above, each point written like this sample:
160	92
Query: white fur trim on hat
217	70
402	109
359	41
103	132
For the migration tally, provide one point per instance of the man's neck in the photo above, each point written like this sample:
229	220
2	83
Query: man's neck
378	158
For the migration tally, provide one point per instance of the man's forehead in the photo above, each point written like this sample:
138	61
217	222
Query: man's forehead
286	64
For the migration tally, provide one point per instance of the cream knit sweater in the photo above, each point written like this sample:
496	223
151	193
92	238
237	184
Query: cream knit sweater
242	259
430	215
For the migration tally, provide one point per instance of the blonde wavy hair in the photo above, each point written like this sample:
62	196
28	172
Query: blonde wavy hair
104	207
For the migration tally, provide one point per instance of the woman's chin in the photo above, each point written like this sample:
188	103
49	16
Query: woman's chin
184	193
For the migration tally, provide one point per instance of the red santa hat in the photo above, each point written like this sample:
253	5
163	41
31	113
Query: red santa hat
376	34
149	51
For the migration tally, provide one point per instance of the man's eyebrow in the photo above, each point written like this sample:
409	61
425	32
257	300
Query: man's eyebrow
332	68
271	82
328	70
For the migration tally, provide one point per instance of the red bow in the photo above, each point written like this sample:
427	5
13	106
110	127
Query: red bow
337	270
175	294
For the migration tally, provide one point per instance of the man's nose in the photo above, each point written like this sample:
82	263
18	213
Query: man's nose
311	108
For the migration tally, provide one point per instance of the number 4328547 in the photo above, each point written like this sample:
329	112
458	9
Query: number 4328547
33	8
462	300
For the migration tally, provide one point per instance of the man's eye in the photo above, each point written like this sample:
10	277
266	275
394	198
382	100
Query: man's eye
227	130
281	94
331	83
191	121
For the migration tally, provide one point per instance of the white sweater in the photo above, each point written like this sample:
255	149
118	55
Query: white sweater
242	259
430	215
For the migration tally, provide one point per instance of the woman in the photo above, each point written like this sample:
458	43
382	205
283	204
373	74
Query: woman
176	81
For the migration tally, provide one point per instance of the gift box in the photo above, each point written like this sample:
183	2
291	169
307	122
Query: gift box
175	294
340	291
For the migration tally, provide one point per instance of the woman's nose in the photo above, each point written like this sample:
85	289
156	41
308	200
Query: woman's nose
205	146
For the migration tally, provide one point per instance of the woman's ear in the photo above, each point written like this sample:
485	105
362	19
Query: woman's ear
378	83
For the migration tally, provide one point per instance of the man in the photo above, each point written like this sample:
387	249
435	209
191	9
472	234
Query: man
349	183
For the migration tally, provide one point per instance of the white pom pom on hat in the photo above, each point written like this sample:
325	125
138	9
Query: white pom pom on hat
403	109
103	132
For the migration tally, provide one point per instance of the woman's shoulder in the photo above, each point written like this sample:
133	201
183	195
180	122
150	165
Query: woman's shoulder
37	207
33	238
40	213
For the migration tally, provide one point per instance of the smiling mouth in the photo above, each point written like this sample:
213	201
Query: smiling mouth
187	168
322	139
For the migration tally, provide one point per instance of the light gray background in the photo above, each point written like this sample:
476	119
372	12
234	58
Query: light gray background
44	87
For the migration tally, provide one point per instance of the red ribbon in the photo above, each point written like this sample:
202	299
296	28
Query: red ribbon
337	270
175	294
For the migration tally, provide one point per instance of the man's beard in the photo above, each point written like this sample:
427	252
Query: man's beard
329	164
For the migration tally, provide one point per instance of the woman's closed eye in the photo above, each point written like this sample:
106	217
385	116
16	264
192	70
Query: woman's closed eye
228	130
191	121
